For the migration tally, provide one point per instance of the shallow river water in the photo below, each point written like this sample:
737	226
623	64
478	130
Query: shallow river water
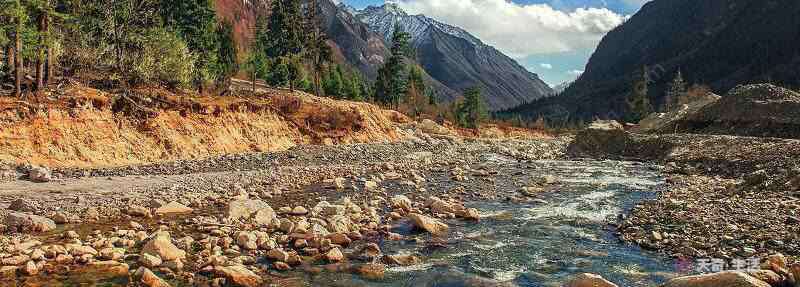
542	243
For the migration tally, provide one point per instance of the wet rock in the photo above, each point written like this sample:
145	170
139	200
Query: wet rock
370	271
722	279
428	224
173	208
40	174
469	214
401	260
334	255
150	261
589	280
22	205
150	279
161	245
239	275
439	206
340	239
278	255
281	266
28	222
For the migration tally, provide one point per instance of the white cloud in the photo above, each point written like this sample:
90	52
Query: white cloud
546	66
521	30
575	72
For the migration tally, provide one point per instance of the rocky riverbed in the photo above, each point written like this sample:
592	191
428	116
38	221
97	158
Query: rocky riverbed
426	208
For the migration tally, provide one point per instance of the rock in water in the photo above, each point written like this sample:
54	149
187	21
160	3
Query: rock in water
589	280
149	279
29	222
40	174
428	224
239	275
161	245
722	279
173	208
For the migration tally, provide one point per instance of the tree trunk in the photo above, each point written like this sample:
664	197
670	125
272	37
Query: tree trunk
49	58
18	60
10	57
41	54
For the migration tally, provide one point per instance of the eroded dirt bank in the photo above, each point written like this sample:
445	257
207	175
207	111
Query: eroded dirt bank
83	127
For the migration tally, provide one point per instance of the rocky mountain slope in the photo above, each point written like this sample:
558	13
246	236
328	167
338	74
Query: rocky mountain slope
720	43
458	59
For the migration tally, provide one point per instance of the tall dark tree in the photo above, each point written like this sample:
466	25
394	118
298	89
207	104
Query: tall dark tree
638	100
391	85
227	63
285	29
675	93
318	53
472	111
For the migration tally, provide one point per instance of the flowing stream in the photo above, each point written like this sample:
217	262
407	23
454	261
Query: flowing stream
542	243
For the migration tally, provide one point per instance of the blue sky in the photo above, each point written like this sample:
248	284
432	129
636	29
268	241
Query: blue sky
553	38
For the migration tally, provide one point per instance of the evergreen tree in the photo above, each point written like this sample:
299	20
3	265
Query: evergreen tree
227	63
392	79
676	91
333	83
638	100
416	98
285	29
318	53
195	21
473	110
279	72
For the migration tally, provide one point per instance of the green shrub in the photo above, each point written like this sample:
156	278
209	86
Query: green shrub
163	58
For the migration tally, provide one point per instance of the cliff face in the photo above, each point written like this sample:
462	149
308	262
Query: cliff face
719	43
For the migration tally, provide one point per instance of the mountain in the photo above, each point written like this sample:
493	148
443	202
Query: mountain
458	59
719	43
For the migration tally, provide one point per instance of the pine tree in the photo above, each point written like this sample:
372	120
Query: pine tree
638	100
318	53
285	29
392	79
676	91
227	62
473	110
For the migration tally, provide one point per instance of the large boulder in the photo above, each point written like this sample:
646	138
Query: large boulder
161	245
600	139
430	127
40	174
239	275
428	224
589	280
722	279
28	222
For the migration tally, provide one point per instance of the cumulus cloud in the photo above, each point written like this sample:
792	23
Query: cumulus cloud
521	30
546	66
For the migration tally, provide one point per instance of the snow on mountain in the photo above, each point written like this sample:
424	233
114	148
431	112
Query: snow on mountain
383	19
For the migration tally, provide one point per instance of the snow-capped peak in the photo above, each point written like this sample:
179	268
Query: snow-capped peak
385	18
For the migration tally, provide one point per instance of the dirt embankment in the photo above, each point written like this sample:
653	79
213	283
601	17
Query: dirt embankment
84	127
